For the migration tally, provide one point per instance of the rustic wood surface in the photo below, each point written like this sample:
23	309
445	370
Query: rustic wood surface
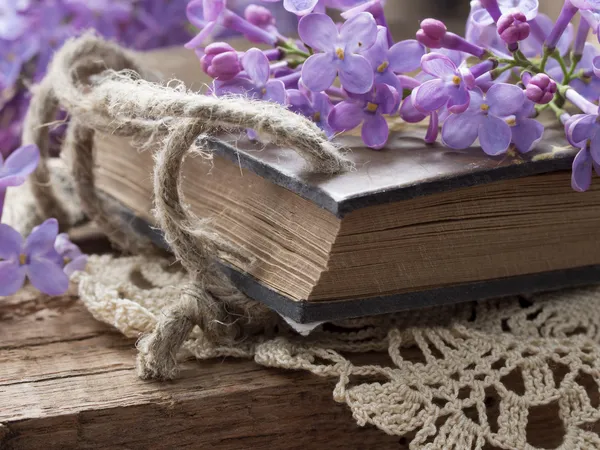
68	382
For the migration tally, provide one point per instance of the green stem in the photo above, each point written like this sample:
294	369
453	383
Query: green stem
545	56
557	110
294	51
563	66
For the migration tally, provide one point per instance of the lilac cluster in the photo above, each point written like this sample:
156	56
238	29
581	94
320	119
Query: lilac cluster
489	86
31	30
46	257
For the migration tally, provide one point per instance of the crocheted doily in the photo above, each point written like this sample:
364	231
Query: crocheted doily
464	376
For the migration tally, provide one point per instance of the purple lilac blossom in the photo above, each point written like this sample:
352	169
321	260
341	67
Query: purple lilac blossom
433	34
304	7
582	132
221	61
18	166
208	15
402	57
13	22
540	88
526	132
339	52
34	258
375	8
314	105
589	86
106	16
513	27
484	120
450	86
73	258
255	82
369	110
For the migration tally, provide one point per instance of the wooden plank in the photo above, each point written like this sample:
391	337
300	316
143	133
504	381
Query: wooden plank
68	382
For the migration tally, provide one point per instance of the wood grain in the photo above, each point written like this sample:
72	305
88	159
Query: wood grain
68	382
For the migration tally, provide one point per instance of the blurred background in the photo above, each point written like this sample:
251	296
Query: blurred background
406	14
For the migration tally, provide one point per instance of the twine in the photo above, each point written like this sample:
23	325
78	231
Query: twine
102	88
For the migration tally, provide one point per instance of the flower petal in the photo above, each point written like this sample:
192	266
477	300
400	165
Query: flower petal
581	177
42	238
77	265
319	72
582	129
11	243
212	9
375	131
12	277
298	102
405	56
275	92
20	164
505	99
387	98
318	31
526	134
345	116
378	53
430	96
458	100
359	33
236	86
300	7
409	113
47	276
256	65
595	146
460	130
438	65
356	74
494	135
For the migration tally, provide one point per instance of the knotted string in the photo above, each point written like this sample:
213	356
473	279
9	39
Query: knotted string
102	88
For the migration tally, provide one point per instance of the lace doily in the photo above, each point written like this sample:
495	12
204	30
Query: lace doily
467	376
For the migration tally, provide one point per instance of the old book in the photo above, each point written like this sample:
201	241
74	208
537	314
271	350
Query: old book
412	226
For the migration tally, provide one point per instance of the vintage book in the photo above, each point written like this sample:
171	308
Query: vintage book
412	226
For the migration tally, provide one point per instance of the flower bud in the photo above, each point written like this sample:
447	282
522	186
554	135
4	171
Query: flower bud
431	33
221	61
513	27
259	16
541	89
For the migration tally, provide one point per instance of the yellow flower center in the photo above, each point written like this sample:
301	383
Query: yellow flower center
384	65
340	53
511	121
456	80
317	116
263	91
485	107
11	57
372	107
22	259
66	260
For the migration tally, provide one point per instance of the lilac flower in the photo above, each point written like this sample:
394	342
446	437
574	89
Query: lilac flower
156	23
221	61
34	258
340	52
567	13
526	132
582	132
433	34
450	86
593	20
541	27
73	258
11	120
314	105
483	119
589	87
18	166
13	23
481	17
209	14
369	110
589	5
256	82
539	88
513	27
259	16
402	57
